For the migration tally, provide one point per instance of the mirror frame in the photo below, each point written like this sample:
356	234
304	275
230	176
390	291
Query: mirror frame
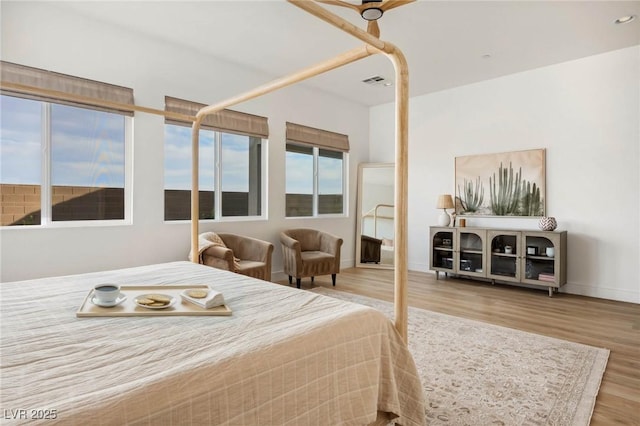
361	168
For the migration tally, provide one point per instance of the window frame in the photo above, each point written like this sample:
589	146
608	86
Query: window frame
46	188
218	169
316	193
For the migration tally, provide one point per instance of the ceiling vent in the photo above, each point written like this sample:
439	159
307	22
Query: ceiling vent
377	80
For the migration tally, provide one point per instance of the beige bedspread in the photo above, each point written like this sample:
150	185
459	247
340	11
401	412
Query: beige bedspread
285	356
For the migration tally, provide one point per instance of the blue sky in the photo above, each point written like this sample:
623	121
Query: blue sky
88	149
19	141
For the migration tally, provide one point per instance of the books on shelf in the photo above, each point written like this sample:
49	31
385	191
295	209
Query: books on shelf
546	276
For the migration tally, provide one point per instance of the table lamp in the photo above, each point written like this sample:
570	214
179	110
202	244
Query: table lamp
445	201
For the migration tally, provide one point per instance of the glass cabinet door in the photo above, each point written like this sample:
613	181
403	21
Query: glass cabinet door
540	254
471	260
504	259
442	257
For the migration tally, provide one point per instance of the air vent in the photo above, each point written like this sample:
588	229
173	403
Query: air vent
377	80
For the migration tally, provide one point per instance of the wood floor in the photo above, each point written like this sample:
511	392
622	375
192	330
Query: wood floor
596	322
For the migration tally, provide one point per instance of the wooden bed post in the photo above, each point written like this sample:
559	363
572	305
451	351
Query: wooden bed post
401	271
401	151
374	45
195	189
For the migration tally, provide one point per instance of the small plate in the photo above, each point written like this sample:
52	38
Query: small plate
118	301
151	296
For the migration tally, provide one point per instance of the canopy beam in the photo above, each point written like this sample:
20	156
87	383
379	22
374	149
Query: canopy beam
373	45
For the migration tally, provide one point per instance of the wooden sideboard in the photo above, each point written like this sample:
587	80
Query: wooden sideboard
512	256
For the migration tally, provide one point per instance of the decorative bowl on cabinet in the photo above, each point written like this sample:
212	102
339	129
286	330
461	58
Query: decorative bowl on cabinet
547	223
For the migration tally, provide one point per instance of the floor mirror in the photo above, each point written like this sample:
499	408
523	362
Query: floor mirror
375	221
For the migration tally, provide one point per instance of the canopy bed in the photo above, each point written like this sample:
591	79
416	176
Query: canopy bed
307	359
284	356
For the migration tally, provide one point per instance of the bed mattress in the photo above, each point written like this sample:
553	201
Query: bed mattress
285	356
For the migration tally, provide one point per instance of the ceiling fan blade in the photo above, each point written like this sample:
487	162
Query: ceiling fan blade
390	4
340	3
373	28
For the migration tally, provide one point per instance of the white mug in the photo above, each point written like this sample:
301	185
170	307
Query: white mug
508	249
550	252
106	293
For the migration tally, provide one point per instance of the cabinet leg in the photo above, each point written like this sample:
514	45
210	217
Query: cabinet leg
437	275
550	291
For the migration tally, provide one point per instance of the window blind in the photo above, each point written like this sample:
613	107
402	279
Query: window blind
317	137
227	120
51	86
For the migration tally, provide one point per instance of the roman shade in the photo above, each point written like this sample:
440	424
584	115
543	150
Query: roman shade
317	137
226	120
49	86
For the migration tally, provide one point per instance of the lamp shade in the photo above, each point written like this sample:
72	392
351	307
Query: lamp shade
445	201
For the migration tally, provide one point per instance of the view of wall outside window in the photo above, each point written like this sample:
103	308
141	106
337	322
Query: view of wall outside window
73	156
313	177
299	180
241	175
239	169
177	173
330	170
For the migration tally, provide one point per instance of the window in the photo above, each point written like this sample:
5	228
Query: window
315	171
177	173
232	164
61	161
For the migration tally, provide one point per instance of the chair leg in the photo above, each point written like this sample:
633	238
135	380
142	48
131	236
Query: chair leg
298	282
333	279
290	280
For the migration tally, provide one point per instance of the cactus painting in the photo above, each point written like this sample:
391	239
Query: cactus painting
471	197
515	182
505	191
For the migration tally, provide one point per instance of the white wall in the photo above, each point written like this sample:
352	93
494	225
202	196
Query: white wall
586	113
40	35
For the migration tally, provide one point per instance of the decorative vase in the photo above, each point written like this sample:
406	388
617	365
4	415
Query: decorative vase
547	223
528	269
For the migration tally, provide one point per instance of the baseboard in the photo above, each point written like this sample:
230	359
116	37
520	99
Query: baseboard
602	292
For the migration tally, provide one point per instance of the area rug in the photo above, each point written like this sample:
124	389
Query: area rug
476	373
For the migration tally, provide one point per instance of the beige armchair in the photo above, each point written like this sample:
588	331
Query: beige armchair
244	255
309	252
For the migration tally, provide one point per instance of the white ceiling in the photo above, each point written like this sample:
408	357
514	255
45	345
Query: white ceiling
444	41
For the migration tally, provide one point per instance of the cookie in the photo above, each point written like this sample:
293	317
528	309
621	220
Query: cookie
159	298
197	294
145	301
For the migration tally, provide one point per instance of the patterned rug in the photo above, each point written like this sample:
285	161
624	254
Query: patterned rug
476	373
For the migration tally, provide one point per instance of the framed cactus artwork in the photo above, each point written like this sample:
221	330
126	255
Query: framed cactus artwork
504	184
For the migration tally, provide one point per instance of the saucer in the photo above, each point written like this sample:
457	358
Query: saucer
116	302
